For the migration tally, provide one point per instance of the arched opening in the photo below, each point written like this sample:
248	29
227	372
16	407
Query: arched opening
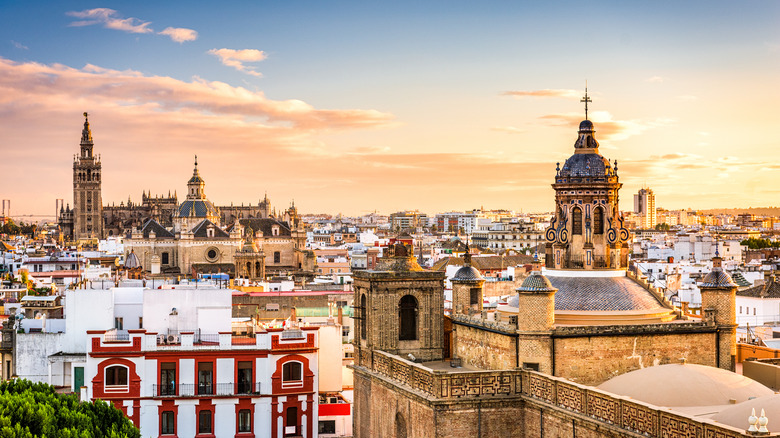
598	220
292	375
400	426
364	316
576	221
116	377
407	318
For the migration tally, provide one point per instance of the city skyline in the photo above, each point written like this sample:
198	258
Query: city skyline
350	108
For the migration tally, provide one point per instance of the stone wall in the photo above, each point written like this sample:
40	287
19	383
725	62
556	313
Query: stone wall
500	288
594	359
483	349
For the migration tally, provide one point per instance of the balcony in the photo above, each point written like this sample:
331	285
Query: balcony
201	390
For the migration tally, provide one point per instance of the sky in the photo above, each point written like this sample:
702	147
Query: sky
353	107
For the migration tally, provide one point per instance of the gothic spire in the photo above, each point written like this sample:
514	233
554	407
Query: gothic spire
86	134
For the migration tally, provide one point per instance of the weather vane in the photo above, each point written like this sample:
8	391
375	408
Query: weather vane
586	99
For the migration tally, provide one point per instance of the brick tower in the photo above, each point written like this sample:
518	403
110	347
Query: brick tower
87	198
718	302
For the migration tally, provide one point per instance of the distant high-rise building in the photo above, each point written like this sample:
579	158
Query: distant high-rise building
644	207
87	199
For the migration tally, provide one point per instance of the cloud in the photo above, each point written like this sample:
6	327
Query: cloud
19	46
237	58
606	126
110	19
655	79
567	94
180	34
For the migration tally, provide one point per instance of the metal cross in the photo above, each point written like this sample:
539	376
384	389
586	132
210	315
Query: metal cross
586	99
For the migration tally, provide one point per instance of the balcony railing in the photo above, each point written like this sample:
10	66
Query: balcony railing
205	390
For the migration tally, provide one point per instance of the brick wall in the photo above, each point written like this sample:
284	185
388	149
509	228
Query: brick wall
482	349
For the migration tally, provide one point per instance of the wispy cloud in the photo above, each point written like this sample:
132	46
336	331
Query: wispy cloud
606	126
567	94
19	45
180	34
110	19
655	79
238	58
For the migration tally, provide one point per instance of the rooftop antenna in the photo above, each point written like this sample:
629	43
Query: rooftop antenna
586	99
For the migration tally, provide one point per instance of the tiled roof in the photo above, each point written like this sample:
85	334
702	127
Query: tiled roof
266	226
536	282
159	231
740	279
770	289
601	294
197	208
484	263
718	278
201	230
467	273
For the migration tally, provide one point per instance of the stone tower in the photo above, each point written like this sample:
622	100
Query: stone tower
401	308
587	231
467	289
87	198
718	302
535	320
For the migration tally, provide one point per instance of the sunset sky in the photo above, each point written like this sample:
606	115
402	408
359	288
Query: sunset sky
353	107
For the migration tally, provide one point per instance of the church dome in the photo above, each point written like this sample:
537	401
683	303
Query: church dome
718	278
586	165
197	208
132	261
467	273
680	385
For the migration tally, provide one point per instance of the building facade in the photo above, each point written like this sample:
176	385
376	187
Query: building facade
87	198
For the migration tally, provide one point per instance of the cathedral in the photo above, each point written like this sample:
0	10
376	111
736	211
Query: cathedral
531	368
191	237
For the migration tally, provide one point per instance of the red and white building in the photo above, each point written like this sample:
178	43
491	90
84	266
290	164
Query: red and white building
198	385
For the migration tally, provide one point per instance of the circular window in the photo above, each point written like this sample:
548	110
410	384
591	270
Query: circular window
212	254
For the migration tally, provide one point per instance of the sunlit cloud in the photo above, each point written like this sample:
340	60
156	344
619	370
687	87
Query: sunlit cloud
110	19
237	58
19	45
606	126
567	94
180	34
655	79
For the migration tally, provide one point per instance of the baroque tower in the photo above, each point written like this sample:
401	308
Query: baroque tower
587	231
87	198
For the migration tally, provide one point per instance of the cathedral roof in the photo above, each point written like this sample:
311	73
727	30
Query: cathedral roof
617	293
770	289
197	208
159	231
467	273
586	165
265	225
201	230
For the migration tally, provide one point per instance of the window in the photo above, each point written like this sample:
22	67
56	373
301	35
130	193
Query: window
407	318
400	426
292	374
165	258
740	310
275	230
205	381
244	420
291	422
167	423
244	378
167	378
204	421
598	221
364	316
212	254
474	296
277	257
140	322
327	426
754	311
116	376
576	221
118	323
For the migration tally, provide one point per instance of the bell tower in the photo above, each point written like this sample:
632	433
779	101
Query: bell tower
587	230
87	198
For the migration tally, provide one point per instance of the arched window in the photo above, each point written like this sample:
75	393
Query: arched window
576	221
116	377
407	318
292	374
364	316
598	220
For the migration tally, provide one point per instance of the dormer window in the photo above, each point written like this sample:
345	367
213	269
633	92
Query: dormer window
210	232
275	230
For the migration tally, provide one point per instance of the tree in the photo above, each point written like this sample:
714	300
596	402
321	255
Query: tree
35	410
758	243
662	227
